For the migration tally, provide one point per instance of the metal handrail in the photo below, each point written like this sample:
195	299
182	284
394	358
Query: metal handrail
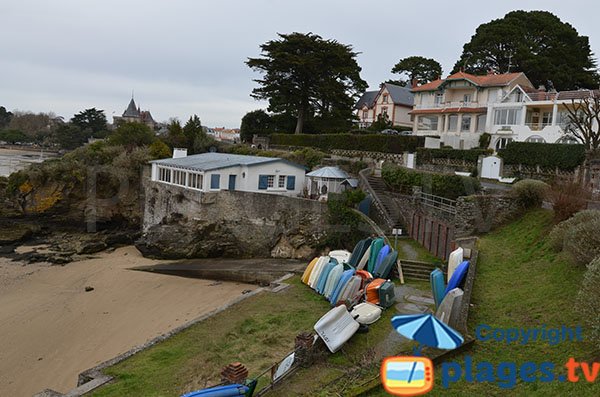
375	197
438	202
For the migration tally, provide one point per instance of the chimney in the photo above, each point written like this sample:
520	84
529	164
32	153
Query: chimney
179	153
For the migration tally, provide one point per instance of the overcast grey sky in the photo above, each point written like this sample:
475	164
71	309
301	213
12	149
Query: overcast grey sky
186	57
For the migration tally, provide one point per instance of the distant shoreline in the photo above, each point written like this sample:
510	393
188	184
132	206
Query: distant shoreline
32	149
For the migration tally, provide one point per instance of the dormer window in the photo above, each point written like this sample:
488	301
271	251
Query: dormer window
385	98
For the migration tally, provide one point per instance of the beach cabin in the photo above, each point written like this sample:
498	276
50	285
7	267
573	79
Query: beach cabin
210	172
325	180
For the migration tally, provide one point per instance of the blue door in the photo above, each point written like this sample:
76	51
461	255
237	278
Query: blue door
231	182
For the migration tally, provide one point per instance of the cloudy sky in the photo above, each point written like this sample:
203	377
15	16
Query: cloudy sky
184	57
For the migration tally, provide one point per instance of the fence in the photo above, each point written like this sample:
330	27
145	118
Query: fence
437	202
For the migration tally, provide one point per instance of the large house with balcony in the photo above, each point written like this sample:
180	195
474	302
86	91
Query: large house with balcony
456	108
392	100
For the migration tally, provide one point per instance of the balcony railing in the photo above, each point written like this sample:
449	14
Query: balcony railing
444	105
537	126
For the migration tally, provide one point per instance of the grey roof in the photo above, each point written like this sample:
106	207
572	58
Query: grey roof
368	99
400	95
329	172
214	161
350	181
131	110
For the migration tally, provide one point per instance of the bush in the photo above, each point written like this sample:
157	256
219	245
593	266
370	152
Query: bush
484	140
567	199
582	241
425	155
559	232
546	155
308	157
159	150
587	301
530	193
344	222
366	142
445	185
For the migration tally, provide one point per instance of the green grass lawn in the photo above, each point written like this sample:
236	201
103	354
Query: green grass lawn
522	283
258	332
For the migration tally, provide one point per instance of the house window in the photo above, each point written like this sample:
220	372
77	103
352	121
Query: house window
481	123
465	124
179	177
215	181
385	98
502	142
164	175
195	181
384	110
365	114
453	122
438	98
281	182
546	118
535	139
429	123
270	181
518	95
467	98
507	116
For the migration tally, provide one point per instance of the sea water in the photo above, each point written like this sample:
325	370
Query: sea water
12	160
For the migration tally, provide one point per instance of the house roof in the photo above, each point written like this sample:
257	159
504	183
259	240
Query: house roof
489	80
214	161
367	99
329	172
352	182
132	110
400	95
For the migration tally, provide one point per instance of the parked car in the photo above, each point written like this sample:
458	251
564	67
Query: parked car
389	131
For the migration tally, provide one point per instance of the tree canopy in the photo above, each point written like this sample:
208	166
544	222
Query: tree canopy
535	42
132	135
196	139
308	77
255	122
5	117
92	120
417	68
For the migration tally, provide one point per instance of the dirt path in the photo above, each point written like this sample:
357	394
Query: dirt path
51	329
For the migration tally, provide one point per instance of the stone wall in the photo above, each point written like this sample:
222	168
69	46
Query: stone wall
181	223
481	213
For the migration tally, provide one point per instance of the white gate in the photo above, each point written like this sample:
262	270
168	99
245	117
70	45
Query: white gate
491	167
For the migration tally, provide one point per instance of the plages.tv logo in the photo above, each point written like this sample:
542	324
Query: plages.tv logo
407	375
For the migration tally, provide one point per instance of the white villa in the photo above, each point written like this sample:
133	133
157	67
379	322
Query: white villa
390	99
461	107
210	172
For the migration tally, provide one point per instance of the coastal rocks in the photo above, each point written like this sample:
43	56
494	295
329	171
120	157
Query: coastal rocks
12	233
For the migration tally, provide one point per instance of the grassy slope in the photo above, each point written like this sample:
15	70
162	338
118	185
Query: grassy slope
522	283
257	332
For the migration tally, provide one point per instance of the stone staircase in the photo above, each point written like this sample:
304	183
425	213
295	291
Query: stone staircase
416	270
388	211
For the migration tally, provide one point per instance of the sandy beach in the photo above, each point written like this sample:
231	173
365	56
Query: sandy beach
12	160
51	329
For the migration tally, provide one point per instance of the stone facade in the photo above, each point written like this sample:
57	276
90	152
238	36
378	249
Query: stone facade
180	223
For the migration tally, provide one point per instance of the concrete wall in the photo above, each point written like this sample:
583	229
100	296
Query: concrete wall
181	223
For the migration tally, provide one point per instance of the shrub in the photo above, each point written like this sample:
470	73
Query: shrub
559	232
582	241
307	156
425	155
484	140
445	185
530	193
546	155
366	142
568	199
587	301
159	150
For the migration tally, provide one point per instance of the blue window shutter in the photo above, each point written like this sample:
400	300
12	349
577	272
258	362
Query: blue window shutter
291	182
215	181
263	182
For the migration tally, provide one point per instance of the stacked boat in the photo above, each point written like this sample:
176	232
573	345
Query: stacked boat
356	284
448	298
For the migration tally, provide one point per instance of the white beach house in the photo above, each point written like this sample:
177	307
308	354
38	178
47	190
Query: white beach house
210	172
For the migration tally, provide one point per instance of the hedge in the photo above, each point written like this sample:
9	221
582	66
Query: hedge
444	185
425	155
546	155
367	142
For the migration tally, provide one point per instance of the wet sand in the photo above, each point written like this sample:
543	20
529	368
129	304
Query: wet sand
51	329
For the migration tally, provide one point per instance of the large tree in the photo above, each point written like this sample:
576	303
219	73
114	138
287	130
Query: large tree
306	76
417	68
197	139
535	42
91	120
255	122
5	117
